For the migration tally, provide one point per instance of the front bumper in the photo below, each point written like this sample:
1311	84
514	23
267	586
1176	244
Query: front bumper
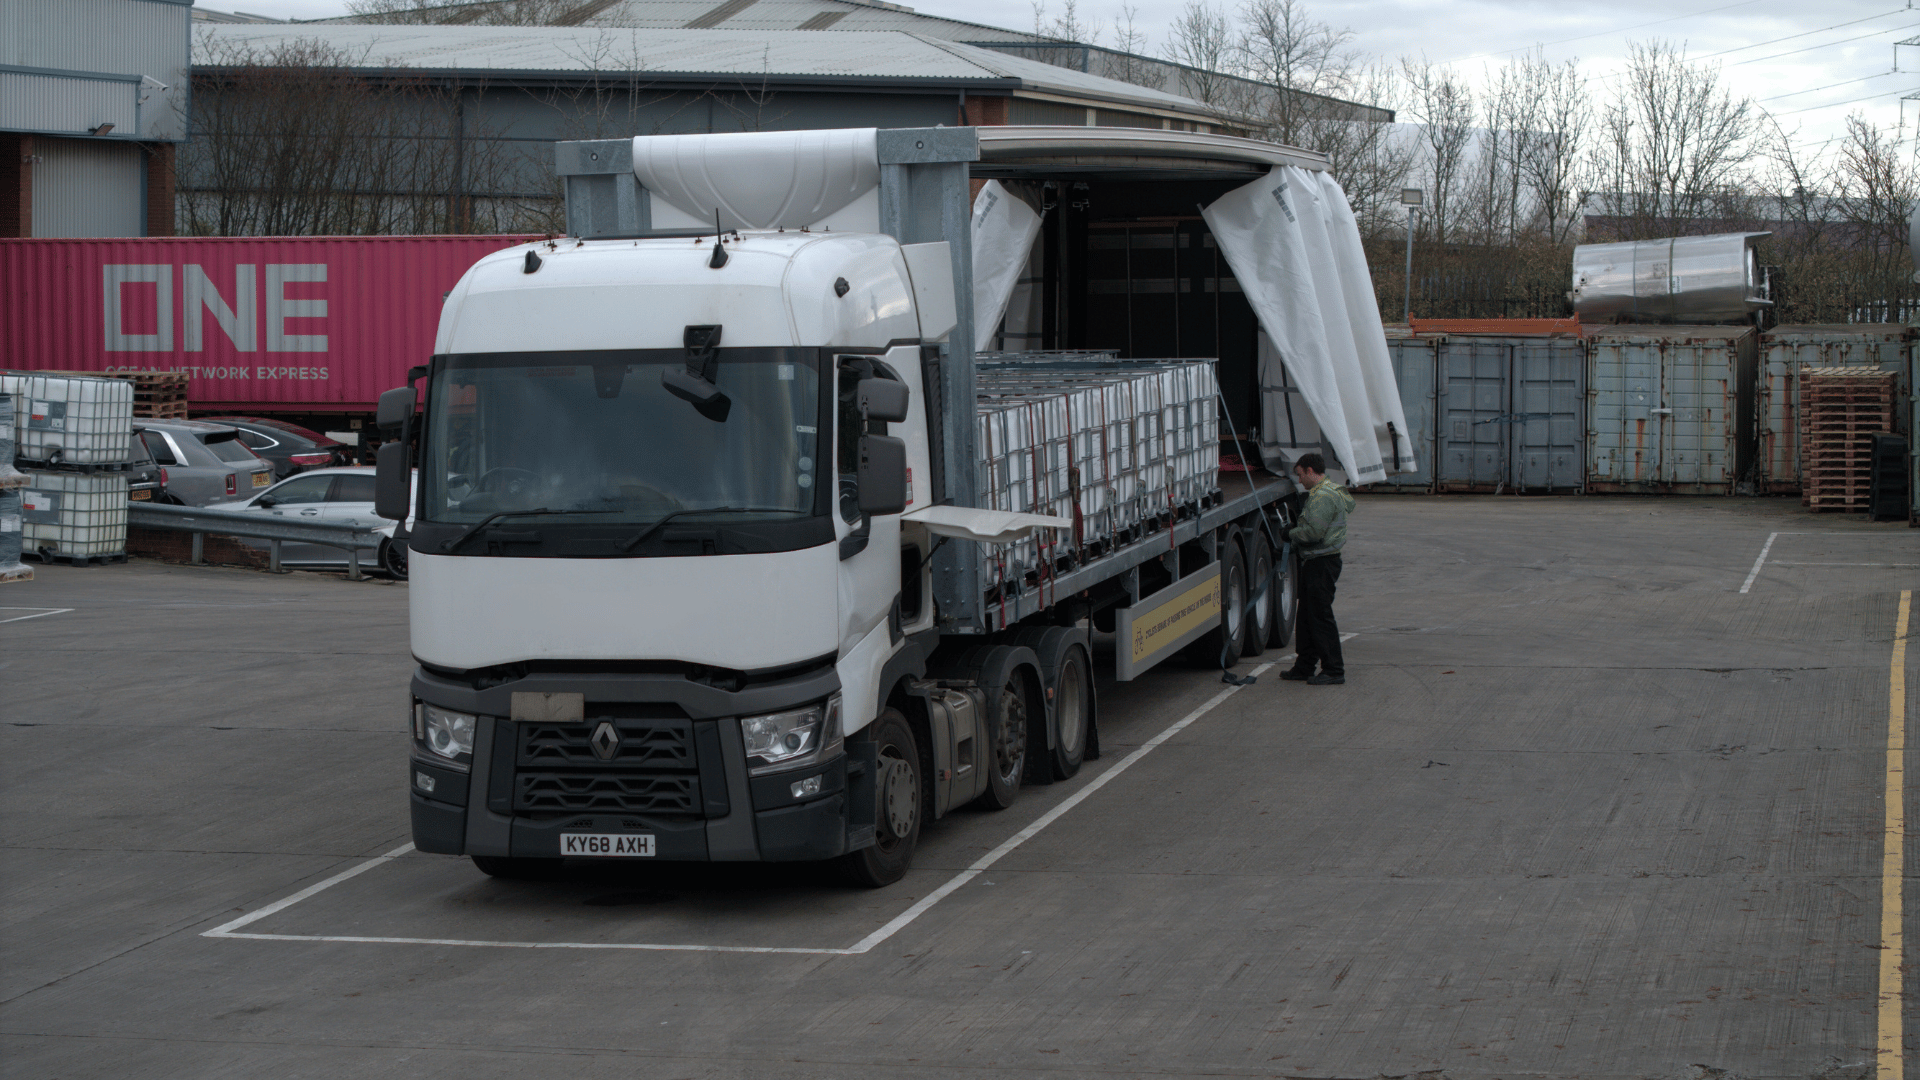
688	787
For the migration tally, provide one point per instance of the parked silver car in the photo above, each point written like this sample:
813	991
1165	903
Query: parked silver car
342	495
201	464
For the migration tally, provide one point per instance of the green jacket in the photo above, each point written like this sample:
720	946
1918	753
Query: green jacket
1323	521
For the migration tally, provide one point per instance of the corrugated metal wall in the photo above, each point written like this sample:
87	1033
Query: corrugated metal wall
1670	409
121	37
1784	350
54	103
85	187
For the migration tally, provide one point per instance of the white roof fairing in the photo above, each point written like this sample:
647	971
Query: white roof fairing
775	55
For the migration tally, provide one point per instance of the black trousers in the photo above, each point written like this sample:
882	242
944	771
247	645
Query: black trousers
1317	638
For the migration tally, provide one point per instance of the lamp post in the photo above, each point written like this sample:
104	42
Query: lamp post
1411	199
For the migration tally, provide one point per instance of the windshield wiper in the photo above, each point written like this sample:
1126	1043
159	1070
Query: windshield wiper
486	521
491	518
646	533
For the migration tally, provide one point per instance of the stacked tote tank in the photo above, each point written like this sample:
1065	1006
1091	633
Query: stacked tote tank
11	481
73	437
1108	444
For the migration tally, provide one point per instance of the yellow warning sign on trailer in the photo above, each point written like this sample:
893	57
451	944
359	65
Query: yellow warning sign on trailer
1169	620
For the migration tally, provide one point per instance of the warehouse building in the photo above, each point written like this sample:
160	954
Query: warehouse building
472	112
93	102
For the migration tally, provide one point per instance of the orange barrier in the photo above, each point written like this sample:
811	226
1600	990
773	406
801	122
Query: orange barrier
1496	326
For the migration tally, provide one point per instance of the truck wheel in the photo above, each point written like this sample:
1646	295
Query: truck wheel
1220	647
512	869
1007	745
896	818
1073	708
1260	592
1286	607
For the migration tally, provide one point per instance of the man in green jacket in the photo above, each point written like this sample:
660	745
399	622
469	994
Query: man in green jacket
1318	537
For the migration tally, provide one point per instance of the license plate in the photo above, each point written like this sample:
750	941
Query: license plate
606	845
259	479
141	495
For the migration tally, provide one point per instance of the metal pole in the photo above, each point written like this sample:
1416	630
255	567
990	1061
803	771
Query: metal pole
1410	213
199	548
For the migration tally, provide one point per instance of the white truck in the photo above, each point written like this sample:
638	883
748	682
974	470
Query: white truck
725	546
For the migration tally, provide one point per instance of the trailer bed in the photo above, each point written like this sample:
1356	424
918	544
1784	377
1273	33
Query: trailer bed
1239	494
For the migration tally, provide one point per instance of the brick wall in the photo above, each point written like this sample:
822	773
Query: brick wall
159	188
178	547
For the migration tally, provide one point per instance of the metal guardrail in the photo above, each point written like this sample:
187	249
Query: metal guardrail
200	521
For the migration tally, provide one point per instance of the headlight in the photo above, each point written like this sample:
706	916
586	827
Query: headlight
448	734
790	740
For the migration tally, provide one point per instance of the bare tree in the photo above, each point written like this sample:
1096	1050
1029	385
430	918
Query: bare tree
1307	63
303	139
1444	106
1202	39
1550	151
1674	147
481	13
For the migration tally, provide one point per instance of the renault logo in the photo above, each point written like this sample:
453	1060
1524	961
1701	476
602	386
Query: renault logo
605	741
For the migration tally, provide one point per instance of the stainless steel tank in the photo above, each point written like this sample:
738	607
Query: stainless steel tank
1694	279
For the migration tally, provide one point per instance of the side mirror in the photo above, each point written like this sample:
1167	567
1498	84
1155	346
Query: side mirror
396	407
392	482
883	473
883	399
266	502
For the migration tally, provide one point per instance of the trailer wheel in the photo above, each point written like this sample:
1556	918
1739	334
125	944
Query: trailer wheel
1007	744
896	818
1221	646
1073	709
1286	606
512	869
1260	592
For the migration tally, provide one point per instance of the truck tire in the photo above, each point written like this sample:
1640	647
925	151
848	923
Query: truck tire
1261	590
1006	750
1220	647
896	818
1073	710
1286	606
512	869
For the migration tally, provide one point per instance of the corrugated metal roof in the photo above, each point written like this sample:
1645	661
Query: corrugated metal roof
743	15
756	54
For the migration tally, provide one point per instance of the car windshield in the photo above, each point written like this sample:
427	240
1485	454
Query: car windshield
597	433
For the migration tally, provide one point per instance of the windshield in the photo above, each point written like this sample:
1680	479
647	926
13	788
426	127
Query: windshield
595	433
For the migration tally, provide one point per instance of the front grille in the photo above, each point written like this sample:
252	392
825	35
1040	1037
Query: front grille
570	793
644	744
652	770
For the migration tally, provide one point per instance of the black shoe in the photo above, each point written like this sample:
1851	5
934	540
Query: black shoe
1297	675
1324	679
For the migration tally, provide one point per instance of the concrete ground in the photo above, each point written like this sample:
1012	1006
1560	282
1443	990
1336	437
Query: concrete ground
1584	808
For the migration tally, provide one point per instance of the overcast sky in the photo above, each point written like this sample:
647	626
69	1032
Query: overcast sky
1809	62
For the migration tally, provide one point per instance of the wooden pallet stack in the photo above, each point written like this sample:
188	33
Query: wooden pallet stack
1841	409
157	395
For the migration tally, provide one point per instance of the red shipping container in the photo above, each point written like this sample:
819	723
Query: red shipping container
272	322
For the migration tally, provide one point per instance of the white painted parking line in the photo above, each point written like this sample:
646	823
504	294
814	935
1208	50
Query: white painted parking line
898	923
38	613
1881	565
1755	572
